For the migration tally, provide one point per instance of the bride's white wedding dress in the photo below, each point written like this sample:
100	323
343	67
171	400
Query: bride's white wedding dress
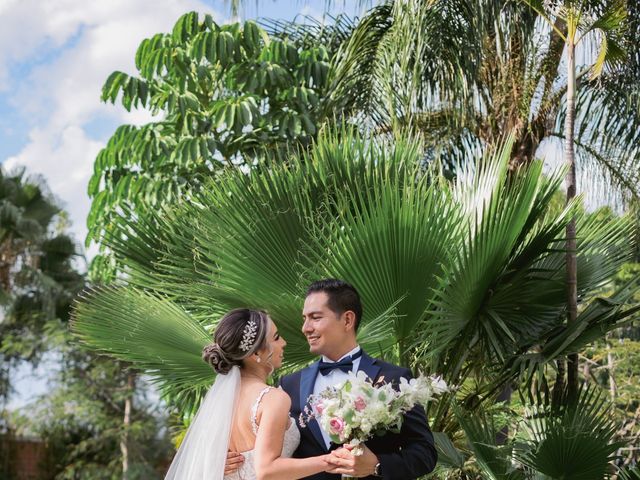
291	440
203	452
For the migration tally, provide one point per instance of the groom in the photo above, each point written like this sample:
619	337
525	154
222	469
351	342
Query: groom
332	312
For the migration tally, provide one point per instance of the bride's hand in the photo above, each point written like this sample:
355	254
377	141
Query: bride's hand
358	466
334	462
340	452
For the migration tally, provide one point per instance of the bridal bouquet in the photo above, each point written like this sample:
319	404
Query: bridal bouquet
355	410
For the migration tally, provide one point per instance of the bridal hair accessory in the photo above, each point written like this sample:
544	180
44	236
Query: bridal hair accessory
249	335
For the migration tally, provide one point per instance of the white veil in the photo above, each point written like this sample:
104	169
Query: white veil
203	452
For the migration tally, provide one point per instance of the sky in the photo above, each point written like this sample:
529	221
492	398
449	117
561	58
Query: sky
55	55
54	58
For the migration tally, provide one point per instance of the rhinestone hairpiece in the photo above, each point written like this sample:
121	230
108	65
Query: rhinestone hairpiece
249	335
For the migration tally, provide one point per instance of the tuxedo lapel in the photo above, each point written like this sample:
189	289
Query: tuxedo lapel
368	366
307	382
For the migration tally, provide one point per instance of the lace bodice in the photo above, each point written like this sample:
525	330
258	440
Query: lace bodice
289	445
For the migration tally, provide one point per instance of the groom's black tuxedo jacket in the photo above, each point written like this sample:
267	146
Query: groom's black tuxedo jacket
403	456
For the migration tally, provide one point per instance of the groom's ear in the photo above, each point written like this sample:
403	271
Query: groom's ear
349	318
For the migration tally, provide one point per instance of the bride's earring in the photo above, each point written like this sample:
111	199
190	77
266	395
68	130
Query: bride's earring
258	359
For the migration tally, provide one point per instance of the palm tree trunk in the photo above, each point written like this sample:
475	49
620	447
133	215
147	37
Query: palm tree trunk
7	260
610	368
572	274
124	442
559	386
504	396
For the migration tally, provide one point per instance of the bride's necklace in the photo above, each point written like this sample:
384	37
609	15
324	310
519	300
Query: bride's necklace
248	375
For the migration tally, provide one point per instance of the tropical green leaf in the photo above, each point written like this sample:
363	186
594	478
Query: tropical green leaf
572	441
455	278
494	460
149	331
448	454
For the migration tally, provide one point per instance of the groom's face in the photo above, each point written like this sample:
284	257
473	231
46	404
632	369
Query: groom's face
327	332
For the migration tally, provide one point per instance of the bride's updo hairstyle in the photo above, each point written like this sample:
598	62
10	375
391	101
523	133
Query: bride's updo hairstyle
240	333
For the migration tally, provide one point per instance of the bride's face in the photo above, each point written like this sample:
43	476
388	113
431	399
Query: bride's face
274	350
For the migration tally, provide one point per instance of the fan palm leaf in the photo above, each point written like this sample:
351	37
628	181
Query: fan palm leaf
475	300
447	273
629	474
573	441
149	331
462	73
494	460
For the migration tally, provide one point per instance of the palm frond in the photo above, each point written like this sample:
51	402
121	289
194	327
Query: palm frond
608	138
496	213
448	455
389	236
148	331
448	273
572	441
629	474
494	460
308	31
601	315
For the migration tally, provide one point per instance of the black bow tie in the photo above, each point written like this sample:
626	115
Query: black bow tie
346	364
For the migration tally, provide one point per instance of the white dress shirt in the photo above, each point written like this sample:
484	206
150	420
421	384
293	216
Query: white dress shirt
333	378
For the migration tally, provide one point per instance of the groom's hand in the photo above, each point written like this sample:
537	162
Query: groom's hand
356	466
234	462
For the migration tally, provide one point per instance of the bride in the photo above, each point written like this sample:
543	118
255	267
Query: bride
242	413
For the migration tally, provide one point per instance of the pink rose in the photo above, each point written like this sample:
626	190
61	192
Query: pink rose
336	425
319	408
360	404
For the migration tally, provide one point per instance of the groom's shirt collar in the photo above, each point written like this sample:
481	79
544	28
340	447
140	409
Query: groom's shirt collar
354	351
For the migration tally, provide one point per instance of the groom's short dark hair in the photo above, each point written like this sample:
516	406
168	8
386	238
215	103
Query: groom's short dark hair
342	296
